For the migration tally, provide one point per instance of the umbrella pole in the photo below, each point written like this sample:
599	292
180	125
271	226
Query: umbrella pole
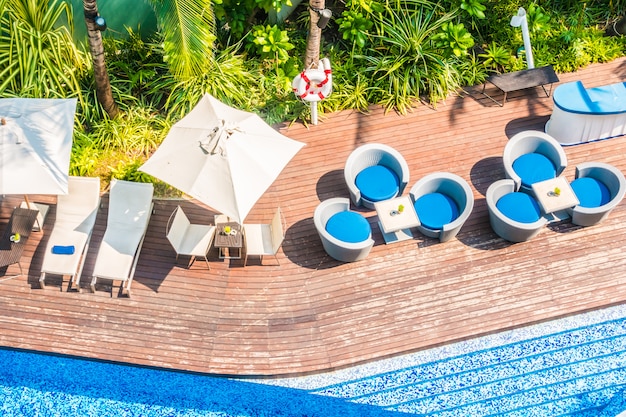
38	223
314	112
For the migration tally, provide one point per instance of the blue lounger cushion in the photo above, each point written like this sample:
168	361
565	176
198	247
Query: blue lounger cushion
591	192
63	250
349	226
520	207
434	210
377	183
534	167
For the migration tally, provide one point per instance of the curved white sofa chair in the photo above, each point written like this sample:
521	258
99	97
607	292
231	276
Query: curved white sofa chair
588	213
338	249
532	143
504	226
453	187
369	155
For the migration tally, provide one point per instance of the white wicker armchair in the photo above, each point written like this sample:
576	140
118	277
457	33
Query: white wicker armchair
338	249
371	155
609	176
504	226
532	142
456	189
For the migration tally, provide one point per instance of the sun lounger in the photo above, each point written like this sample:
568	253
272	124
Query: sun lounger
130	207
69	241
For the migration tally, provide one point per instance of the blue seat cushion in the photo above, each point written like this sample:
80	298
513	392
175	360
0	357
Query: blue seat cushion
348	226
434	210
377	183
519	207
591	192
534	167
63	250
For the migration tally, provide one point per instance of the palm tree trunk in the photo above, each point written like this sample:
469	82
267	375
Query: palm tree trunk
103	85
314	39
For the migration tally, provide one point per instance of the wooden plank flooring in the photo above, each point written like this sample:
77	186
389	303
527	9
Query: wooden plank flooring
311	313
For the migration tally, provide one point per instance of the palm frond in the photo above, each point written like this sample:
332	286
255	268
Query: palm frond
188	28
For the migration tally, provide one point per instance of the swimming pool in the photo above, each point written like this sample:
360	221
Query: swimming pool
574	366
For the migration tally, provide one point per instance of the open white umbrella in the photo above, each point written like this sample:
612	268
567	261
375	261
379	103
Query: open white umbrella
35	145
222	156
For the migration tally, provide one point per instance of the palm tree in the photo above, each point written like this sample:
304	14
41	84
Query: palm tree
103	85
314	39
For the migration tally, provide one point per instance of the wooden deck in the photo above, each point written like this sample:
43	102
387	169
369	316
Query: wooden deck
311	313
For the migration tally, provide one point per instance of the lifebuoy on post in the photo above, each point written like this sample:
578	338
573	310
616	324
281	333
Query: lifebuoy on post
314	84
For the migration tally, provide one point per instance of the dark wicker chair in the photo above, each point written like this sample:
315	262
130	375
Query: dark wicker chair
21	222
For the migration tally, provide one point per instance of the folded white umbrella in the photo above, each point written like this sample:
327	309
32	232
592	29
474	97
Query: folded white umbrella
222	156
35	145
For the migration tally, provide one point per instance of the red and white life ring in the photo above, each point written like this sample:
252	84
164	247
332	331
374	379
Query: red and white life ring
314	84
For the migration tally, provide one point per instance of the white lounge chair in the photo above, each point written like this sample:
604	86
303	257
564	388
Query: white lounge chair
264	239
130	207
189	239
69	241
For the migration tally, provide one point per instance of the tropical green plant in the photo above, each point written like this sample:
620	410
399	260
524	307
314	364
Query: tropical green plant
188	29
225	76
496	57
136	62
353	92
128	170
474	8
473	71
233	18
454	39
369	7
38	57
276	5
538	19
135	132
407	62
271	42
85	155
354	27
236	17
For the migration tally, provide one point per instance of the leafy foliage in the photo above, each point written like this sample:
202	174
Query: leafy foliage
136	132
496	57
474	8
37	55
272	42
393	53
454	38
224	76
188	29
354	27
408	62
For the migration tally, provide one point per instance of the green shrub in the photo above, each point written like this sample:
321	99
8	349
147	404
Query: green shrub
37	55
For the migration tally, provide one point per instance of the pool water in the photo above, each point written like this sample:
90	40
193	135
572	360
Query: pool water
570	367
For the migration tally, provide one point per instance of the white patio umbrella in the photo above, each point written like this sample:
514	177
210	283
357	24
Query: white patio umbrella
224	157
35	145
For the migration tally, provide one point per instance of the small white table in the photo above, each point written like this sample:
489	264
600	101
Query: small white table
395	225
549	201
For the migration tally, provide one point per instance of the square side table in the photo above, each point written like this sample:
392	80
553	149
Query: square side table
229	243
395	225
549	201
